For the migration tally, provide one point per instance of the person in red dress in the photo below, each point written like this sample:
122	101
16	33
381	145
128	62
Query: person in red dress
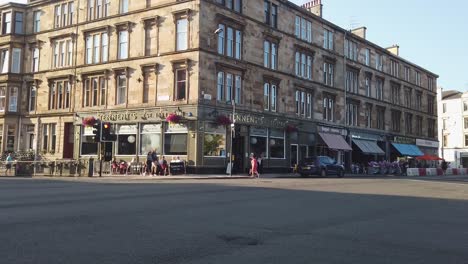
254	165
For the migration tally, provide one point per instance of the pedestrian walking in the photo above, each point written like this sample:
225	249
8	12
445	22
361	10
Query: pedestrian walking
260	164
154	163
254	165
9	161
149	162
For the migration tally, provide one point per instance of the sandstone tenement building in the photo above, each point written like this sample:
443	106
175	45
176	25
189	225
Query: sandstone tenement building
300	84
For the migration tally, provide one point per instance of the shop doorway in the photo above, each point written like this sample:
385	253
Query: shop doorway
294	155
238	151
298	153
68	141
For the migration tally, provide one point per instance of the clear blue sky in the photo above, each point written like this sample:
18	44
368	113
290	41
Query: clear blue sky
431	34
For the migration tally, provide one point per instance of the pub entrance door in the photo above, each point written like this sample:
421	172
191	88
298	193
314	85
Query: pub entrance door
238	152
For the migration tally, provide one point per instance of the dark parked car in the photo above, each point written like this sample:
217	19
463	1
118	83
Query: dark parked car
321	166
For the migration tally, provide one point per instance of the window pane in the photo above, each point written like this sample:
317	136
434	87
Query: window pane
175	144
220	95
230	42
123	44
266	96
182	39
276	148
181	84
126	144
16	61
221	36
214	145
150	142
258	146
105	49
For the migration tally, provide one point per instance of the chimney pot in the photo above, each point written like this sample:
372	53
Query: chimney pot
314	6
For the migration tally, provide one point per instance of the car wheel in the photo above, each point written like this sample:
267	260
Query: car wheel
323	173
340	173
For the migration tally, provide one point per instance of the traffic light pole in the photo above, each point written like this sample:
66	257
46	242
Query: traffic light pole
100	159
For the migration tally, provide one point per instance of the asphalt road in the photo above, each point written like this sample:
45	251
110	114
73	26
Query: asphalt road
270	221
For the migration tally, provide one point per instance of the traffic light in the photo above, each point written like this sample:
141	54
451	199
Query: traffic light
97	131
107	134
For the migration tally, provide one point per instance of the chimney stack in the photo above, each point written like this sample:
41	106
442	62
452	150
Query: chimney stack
361	32
314	6
395	49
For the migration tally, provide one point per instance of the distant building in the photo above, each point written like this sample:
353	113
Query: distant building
453	126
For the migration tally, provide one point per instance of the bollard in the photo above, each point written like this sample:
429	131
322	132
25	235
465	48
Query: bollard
91	167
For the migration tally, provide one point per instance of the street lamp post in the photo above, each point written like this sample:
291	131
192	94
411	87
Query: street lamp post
233	135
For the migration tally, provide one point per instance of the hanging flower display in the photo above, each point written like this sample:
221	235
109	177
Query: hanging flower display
291	129
89	121
173	118
223	120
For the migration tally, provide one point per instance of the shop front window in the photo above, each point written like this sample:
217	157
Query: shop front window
88	147
258	141
175	140
150	138
215	141
126	139
276	144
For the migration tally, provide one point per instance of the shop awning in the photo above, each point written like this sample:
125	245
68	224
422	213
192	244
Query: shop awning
408	150
429	157
369	147
335	141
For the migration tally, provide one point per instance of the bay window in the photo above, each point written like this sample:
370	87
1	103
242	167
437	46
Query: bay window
19	23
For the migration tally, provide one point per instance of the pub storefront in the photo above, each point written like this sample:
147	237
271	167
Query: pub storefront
203	144
141	131
264	136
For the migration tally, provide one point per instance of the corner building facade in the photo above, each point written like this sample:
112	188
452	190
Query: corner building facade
297	84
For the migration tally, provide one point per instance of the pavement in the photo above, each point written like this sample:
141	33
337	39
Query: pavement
268	220
236	176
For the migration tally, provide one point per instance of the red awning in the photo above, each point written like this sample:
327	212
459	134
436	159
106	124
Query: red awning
334	141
